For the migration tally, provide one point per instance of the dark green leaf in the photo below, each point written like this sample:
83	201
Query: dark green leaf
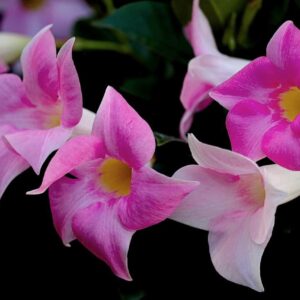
229	39
183	10
163	139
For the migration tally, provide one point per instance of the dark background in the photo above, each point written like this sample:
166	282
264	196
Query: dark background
169	260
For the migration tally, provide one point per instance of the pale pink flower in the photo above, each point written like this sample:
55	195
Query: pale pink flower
263	100
29	16
38	114
236	202
206	70
114	192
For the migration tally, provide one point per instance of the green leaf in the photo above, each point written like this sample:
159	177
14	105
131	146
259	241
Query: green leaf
220	11
250	12
182	10
229	39
151	26
163	139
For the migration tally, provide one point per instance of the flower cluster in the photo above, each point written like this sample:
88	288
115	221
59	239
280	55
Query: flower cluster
102	188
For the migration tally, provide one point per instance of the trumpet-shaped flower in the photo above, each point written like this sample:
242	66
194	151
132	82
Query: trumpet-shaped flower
263	100
114	192
206	70
39	113
236	202
29	16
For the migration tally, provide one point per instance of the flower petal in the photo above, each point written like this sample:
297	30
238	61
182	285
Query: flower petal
40	74
217	194
84	127
233	252
3	67
247	122
67	196
12	164
153	198
99	229
256	81
199	32
36	145
282	145
71	155
221	160
125	134
283	51
69	86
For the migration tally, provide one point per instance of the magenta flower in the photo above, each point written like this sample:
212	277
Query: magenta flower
263	100
115	192
39	113
236	202
206	70
29	16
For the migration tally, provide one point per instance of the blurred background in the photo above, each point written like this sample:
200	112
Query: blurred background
138	47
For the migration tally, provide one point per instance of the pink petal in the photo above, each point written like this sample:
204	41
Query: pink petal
217	194
67	196
125	134
69	86
233	252
221	160
3	67
283	51
40	68
36	145
153	198
282	145
11	163
247	122
99	229
199	32
71	155
256	81
85	125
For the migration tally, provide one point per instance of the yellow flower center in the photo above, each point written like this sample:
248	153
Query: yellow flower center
54	121
32	4
115	177
290	103
252	188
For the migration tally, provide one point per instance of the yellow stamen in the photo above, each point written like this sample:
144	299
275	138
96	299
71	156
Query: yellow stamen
290	103
32	4
54	121
115	177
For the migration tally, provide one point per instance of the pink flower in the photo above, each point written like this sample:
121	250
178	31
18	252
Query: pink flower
236	202
29	16
263	100
206	70
40	113
114	192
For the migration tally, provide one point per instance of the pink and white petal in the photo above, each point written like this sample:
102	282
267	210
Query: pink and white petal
247	122
71	155
69	86
125	134
234	254
99	229
67	196
11	163
284	180
282	50
40	72
221	160
199	33
153	198
216	194
65	13
36	145
282	145
257	81
214	69
85	125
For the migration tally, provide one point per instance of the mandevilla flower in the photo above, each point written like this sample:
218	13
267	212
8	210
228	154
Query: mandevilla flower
263	100
114	192
29	16
206	70
236	202
40	113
